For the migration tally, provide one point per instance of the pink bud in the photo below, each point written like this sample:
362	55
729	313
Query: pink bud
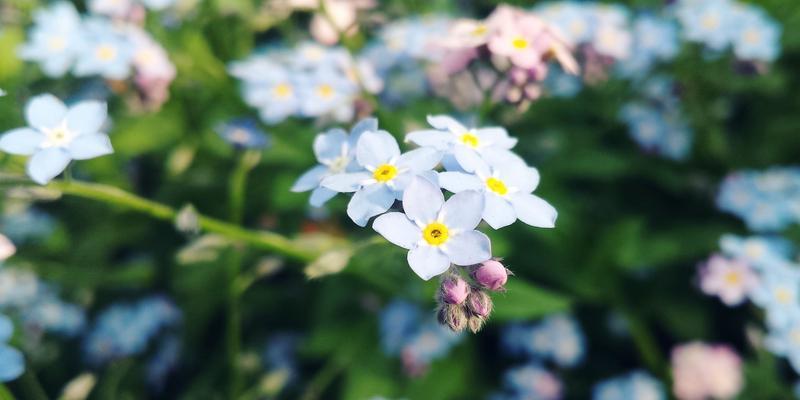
479	303
491	275
454	290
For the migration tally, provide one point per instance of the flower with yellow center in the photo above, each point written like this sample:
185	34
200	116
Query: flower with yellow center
497	186
325	91
385	173
59	136
470	139
106	52
520	43
282	90
435	234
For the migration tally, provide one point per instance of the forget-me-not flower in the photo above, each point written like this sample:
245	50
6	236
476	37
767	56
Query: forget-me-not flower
506	184
243	133
55	39
757	36
12	364
270	87
636	385
436	233
107	51
57	134
384	174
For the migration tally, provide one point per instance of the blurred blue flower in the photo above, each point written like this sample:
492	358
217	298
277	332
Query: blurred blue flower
757	36
57	134
243	133
655	39
561	84
766	200
163	362
12	364
106	51
760	252
327	91
37	304
55	39
709	22
635	385
270	87
398	322
557	338
530	382
26	225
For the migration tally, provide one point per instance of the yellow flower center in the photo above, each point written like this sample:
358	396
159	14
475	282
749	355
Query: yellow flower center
710	21
519	43
283	90
385	173
783	295
239	136
497	186
57	137
325	91
480	30
435	233
57	43
733	278
106	53
470	139
752	36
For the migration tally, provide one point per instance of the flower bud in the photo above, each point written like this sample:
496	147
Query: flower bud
479	303
453	316
491	275
454	290
475	323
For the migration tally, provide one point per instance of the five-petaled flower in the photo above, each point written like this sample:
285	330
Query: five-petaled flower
57	134
436	233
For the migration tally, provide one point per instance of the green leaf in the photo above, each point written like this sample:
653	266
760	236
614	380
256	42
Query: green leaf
523	300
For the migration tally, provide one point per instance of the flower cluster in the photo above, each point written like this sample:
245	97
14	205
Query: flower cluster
126	329
557	338
655	40
720	24
57	134
309	80
243	133
417	340
702	371
467	305
766	200
655	122
600	29
114	49
489	183
12	364
636	385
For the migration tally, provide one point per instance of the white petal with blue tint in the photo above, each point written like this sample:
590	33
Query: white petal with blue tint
310	179
89	146
21	141
498	212
365	125
431	138
369	202
427	261
447	123
534	211
348	182
464	210
422	201
496	136
376	148
12	364
45	111
320	196
46	164
468	248
458	181
87	117
470	160
398	229
419	160
329	145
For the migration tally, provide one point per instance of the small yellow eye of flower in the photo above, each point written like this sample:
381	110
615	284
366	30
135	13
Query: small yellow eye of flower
56	43
710	21
752	36
106	53
783	296
325	90
519	43
480	30
239	136
733	278
795	335
283	90
435	233
469	139
385	173
497	186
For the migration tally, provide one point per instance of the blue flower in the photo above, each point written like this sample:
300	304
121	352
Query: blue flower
636	385
270	87
532	382
243	133
436	233
12	364
506	183
766	200
709	22
328	92
757	36
398	322
57	134
759	251
784	341
336	152
777	293
106	51
655	39
557	338
383	175
55	39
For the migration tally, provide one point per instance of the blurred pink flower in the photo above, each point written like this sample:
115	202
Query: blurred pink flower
702	371
731	280
332	18
154	71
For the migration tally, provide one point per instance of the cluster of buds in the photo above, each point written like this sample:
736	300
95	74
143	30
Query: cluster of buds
463	305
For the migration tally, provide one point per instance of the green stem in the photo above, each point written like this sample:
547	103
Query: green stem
322	379
646	345
238	181
108	194
31	386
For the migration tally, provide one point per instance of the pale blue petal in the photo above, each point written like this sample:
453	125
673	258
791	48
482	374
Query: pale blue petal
376	148
46	164
402	181
6	328
468	248
450	163
419	160
310	179
345	183
89	146
427	261
369	202
447	123
12	364
45	111
496	136
534	211
398	229
329	145
464	210
498	212
87	117
458	181
21	141
431	138
365	125
422	201
470	160
320	196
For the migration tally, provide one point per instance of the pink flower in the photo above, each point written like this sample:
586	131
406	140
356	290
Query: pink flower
731	280
467	33
333	17
154	71
491	275
454	290
7	248
702	371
